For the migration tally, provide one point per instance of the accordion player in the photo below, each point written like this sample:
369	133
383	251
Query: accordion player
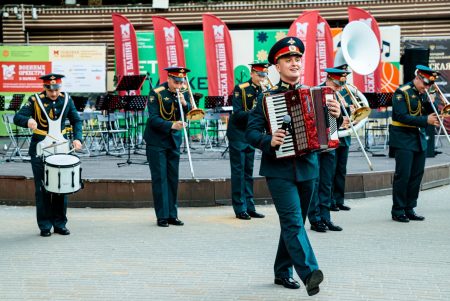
312	128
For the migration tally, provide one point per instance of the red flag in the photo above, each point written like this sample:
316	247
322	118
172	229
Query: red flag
219	56
305	28
169	46
324	50
125	46
370	82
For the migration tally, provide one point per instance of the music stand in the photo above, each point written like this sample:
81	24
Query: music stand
79	102
132	103
131	83
14	105
377	100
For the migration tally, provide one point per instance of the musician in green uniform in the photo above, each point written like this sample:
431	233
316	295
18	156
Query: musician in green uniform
319	211
290	180
163	136
51	208
242	154
411	114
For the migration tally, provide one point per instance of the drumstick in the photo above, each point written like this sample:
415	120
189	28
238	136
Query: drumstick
44	133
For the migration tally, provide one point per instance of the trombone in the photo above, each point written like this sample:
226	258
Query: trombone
361	112
444	113
186	138
343	102
195	113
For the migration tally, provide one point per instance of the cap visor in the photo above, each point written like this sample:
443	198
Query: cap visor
53	87
262	73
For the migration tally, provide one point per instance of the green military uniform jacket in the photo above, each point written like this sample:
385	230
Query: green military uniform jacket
409	119
244	99
296	168
163	110
53	108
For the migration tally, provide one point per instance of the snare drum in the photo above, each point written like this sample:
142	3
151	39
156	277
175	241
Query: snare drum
62	174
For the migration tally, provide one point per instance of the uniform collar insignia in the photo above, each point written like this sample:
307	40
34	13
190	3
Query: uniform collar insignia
166	98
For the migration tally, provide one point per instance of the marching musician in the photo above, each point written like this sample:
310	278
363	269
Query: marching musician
163	138
319	210
242	154
51	208
290	180
338	193
411	114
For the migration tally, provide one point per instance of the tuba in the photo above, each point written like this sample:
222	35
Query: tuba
361	51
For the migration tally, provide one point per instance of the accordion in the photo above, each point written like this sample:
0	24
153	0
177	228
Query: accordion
312	127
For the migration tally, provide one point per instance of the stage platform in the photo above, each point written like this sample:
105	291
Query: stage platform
107	185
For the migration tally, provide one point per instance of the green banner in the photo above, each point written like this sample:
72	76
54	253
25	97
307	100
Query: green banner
24	54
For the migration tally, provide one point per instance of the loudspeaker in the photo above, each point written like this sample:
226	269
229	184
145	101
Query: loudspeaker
411	58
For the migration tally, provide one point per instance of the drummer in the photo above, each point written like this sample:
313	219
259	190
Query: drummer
50	208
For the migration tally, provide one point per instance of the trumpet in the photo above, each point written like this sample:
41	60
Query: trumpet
266	84
343	102
361	112
195	113
441	123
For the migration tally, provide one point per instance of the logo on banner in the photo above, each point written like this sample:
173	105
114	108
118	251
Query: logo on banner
321	30
218	32
367	21
125	30
8	72
169	33
302	29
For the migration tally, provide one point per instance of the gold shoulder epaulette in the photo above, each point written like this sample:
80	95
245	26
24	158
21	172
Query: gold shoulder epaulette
159	89
244	85
405	87
274	88
61	94
42	95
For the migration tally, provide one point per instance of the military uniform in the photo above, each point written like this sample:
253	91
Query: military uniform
242	154
408	139
51	208
163	148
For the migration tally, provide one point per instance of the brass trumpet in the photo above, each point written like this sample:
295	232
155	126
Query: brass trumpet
195	113
361	112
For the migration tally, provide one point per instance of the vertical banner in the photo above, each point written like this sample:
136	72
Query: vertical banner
125	47
219	56
324	50
370	82
169	46
305	28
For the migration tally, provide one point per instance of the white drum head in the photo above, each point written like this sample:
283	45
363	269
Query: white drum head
62	160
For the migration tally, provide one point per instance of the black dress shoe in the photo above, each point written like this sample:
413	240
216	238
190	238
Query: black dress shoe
163	222
287	282
318	226
334	208
175	221
243	215
400	218
45	233
331	226
255	214
414	217
62	231
312	282
343	207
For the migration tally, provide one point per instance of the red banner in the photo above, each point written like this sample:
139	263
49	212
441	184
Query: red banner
125	46
370	82
219	56
324	50
169	46
23	76
305	28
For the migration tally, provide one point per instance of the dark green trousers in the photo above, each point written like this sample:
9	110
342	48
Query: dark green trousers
51	208
241	162
319	209
409	169
164	164
341	159
291	201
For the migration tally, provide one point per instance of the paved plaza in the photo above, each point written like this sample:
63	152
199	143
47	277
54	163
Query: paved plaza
120	254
